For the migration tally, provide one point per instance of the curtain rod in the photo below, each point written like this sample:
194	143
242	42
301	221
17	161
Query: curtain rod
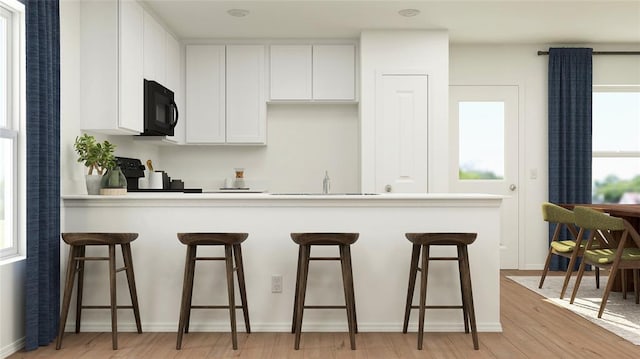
601	53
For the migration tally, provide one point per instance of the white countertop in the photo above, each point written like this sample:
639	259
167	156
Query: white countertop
260	199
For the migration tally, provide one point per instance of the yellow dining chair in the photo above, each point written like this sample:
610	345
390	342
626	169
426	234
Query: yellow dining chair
619	255
563	218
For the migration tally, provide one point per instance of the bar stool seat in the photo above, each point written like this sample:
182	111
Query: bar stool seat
78	243
305	241
423	241
231	243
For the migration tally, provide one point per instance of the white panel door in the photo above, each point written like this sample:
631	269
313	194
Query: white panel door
131	88
246	98
484	153
205	94
154	50
290	72
401	132
334	72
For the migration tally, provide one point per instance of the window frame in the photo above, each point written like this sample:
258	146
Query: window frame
614	154
15	128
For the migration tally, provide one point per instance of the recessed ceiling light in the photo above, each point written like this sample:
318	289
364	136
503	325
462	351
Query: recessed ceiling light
409	12
238	12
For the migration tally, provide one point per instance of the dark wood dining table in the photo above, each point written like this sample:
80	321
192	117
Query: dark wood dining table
630	212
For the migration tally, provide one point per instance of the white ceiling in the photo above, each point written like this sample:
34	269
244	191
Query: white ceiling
468	21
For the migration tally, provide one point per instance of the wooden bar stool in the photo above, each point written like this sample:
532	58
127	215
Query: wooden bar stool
424	241
305	241
78	243
232	249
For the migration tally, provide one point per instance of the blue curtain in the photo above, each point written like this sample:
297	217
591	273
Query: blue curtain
570	88
43	172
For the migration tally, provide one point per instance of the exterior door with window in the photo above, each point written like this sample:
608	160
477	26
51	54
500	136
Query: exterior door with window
484	157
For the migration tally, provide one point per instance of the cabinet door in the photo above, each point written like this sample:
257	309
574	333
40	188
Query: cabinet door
246	100
154	50
401	132
205	94
130	87
334	72
290	72
173	82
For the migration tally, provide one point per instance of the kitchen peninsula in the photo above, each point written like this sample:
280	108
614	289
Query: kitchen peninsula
380	256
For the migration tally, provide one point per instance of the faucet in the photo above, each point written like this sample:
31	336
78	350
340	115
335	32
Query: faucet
326	183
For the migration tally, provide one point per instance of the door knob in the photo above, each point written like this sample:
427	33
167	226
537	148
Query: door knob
512	187
387	188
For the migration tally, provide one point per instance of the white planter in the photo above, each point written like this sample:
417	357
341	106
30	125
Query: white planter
93	184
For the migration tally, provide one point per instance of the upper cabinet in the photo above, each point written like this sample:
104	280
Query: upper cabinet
226	100
155	50
290	72
313	72
206	95
173	80
111	68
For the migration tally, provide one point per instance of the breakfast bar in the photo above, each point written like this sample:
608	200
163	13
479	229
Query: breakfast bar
380	257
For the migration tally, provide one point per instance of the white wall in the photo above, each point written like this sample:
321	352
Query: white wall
406	50
302	142
521	66
11	307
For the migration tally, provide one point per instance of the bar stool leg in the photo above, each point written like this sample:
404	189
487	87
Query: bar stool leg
347	284
353	295
131	280
112	285
295	298
192	268
413	271
80	266
228	255
237	252
423	293
68	289
304	273
469	297
184	306
463	297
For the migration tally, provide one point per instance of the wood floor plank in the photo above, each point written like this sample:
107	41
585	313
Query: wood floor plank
532	328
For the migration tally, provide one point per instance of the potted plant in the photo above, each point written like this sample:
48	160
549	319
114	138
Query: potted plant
97	157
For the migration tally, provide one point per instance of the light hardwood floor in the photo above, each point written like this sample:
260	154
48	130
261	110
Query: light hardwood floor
532	328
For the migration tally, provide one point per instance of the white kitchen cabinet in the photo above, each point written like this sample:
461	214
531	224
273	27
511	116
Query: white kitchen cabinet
226	100
205	94
154	50
173	82
246	98
290	67
111	67
312	72
334	72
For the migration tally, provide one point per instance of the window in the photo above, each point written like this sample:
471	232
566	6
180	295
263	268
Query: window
616	144
481	139
12	133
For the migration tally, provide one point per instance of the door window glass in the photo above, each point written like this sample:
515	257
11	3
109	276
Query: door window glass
481	140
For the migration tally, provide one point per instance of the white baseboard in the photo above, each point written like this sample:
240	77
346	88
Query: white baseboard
12	348
281	327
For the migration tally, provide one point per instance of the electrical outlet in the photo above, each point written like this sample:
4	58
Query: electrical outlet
276	283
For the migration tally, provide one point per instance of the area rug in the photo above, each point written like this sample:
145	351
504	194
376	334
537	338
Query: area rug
620	316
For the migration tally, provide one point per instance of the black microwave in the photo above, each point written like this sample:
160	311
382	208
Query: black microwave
160	110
